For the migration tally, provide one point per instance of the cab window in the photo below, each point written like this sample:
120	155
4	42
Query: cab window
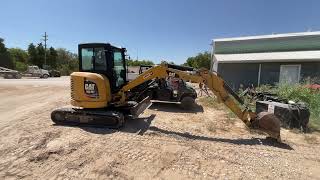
119	68
93	59
87	61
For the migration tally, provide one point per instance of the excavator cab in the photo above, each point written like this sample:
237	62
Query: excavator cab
102	73
104	59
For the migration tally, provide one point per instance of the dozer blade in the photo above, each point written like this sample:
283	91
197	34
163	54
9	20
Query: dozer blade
140	107
268	123
98	118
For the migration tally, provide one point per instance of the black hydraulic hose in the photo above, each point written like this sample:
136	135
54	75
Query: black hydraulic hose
234	94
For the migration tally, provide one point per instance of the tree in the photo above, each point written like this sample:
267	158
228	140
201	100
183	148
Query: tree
67	62
139	62
40	52
60	59
5	58
202	60
189	62
18	55
166	62
36	54
52	58
19	58
33	55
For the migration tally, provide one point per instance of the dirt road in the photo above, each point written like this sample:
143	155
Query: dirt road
165	143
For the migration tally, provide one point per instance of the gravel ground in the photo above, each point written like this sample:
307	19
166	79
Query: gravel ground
164	143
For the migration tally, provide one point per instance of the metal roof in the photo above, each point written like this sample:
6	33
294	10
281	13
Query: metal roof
268	36
290	56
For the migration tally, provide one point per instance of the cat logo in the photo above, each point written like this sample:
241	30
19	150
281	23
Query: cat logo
90	89
148	75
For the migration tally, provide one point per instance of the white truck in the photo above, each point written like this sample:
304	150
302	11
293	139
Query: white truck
32	71
35	71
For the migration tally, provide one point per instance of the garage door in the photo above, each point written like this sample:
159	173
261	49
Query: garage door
290	74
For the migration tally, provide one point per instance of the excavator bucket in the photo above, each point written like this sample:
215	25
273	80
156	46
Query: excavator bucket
268	123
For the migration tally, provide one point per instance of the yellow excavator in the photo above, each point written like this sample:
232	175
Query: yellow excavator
102	96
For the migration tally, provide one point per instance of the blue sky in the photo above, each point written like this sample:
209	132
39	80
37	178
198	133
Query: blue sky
154	29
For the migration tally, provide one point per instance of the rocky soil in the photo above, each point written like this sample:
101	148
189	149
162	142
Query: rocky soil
166	142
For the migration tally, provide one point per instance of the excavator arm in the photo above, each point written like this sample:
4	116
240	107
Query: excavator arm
269	124
221	90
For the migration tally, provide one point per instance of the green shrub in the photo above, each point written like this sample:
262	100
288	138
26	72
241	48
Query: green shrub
64	70
300	93
265	88
20	66
296	93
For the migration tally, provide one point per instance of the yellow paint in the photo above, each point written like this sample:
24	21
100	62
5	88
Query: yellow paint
214	83
78	96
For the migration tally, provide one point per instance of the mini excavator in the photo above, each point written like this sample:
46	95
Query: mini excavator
102	96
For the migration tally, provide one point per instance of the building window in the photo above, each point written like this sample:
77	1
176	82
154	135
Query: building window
290	73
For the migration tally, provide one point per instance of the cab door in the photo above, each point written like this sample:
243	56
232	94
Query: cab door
119	69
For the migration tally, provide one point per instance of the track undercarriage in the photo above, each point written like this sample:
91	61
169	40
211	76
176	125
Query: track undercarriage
75	116
112	117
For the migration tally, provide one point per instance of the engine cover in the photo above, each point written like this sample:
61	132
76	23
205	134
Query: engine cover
90	90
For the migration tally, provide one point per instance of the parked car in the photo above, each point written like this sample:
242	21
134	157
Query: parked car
54	73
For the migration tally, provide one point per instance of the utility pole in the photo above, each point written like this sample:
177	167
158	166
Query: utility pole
137	54
45	48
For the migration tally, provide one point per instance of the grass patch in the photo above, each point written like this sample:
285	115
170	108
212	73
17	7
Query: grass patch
211	102
299	93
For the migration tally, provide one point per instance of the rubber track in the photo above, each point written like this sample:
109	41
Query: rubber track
82	117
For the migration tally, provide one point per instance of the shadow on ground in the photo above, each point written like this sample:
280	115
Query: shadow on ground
171	107
253	141
141	125
137	125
